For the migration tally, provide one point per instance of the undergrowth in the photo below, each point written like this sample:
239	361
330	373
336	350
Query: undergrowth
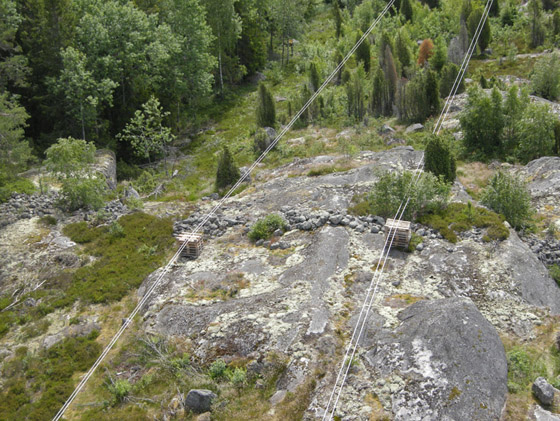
265	227
38	383
15	185
458	217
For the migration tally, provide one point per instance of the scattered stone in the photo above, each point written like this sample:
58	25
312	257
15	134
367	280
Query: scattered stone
374	229
278	233
385	129
277	397
541	414
207	416
543	391
200	400
414	128
131	192
420	247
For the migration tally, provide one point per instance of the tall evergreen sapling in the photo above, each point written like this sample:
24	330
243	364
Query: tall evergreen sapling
439	160
227	173
266	111
363	53
432	92
314	77
406	10
337	19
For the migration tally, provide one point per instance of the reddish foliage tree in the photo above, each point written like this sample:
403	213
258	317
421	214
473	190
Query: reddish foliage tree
426	51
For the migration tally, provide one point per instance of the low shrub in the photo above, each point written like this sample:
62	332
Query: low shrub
429	194
554	271
15	185
48	220
458	217
524	367
265	227
80	233
508	195
119	390
217	369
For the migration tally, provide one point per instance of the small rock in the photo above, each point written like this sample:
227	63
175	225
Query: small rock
259	242
353	224
379	220
204	417
396	283
421	232
259	385
278	233
543	391
335	219
374	229
420	247
414	128
200	400
277	397
274	246
266	244
385	129
541	414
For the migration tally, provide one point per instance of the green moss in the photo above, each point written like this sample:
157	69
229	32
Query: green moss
48	220
454	394
80	232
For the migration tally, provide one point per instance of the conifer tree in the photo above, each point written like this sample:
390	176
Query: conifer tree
378	92
363	53
314	77
391	78
266	111
406	10
439	159
537	27
448	76
227	173
432	92
337	59
337	19
402	51
425	52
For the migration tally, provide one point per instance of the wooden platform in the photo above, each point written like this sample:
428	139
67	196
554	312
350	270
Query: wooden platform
402	234
194	245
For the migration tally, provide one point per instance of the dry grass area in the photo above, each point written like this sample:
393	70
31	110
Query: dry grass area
474	176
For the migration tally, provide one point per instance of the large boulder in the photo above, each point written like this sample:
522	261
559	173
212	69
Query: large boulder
200	400
449	360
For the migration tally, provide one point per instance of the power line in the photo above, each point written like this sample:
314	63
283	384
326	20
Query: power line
370	295
171	262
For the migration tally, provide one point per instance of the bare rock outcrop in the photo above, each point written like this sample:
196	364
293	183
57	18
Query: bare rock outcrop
450	361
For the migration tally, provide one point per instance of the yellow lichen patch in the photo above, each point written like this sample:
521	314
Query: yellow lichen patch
454	394
377	411
401	300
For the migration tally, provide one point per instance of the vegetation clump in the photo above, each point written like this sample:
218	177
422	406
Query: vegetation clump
266	111
427	194
458	217
265	227
227	172
508	195
121	264
439	159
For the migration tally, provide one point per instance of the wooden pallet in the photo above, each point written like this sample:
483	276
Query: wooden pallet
402	234
194	245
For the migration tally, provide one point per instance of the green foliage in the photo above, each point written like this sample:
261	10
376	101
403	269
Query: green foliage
482	121
116	230
10	185
337	19
406	10
458	217
523	368
439	159
265	227
402	49
146	133
429	194
48	375
355	94
260	142
121	265
535	131
217	369
508	195
363	54
266	110
227	172
448	75
48	220
14	150
439	58
546	77
120	390
314	81
419	98
472	23
237	377
554	271
70	160
538	32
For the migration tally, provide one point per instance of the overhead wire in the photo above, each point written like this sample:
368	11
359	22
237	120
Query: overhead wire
197	229
370	293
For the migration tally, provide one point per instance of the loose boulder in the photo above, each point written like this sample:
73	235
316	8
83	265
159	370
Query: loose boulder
543	391
200	400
